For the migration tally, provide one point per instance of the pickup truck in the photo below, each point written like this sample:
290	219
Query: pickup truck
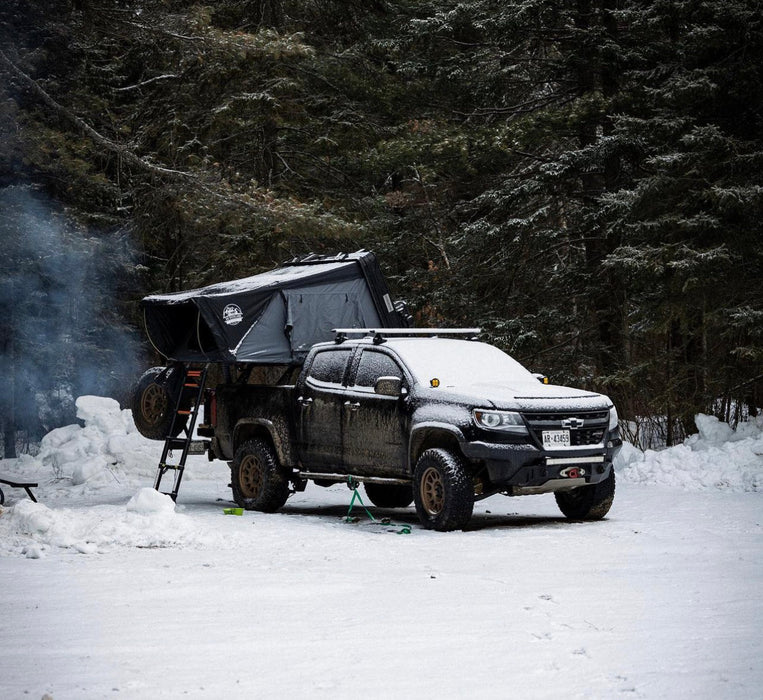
424	418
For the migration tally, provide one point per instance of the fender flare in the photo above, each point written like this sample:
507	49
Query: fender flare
429	426
279	437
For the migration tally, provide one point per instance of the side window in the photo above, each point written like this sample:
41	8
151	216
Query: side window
328	366
374	365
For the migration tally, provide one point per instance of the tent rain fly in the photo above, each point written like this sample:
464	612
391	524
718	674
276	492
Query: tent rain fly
274	317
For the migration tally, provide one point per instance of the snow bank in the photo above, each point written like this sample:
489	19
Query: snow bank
107	460
147	520
718	457
108	444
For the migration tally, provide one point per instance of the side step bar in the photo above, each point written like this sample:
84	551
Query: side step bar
340	478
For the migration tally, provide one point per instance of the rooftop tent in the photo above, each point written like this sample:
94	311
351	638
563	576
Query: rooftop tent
274	317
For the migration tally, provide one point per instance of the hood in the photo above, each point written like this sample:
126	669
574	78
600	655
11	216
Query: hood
526	396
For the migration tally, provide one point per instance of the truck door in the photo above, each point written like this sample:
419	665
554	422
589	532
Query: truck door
374	426
319	403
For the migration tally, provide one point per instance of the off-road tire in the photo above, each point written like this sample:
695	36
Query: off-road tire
258	481
588	502
389	495
153	404
442	490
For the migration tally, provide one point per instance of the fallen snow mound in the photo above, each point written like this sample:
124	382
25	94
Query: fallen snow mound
147	520
108	444
718	457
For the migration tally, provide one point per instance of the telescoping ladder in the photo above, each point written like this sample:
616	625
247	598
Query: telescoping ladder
189	401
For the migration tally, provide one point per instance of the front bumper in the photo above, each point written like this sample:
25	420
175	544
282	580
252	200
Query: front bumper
523	467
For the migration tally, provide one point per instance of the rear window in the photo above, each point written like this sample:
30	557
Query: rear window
328	366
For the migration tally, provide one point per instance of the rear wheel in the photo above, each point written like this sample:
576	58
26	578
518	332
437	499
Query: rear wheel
443	490
389	495
257	479
588	502
153	404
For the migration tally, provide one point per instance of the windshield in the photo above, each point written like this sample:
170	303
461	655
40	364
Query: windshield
459	362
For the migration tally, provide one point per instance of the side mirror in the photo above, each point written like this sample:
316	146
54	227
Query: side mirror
542	378
389	386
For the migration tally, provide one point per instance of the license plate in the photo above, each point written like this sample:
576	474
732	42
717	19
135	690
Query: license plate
556	438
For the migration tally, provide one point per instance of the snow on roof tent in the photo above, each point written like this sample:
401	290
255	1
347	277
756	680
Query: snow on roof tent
274	317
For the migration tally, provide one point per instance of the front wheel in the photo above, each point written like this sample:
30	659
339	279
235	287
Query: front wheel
588	502
257	479
442	490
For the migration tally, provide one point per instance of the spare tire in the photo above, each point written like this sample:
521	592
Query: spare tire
153	403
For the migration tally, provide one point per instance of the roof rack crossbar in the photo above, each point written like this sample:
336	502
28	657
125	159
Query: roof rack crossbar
407	331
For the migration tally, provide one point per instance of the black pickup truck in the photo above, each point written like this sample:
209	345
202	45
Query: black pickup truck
417	417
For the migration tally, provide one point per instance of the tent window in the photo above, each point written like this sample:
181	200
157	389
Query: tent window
311	316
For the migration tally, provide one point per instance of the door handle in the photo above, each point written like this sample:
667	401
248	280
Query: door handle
352	406
302	401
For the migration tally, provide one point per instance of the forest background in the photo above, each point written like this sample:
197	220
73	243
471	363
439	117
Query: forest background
582	179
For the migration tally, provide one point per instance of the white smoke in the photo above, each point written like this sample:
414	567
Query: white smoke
63	289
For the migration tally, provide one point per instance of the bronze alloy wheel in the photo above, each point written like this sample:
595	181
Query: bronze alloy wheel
153	399
258	481
154	403
252	477
432	491
443	491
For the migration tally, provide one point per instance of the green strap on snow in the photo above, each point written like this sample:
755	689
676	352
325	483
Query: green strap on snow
404	529
356	497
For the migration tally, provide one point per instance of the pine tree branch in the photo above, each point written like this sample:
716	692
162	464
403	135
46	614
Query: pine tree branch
137	86
84	128
215	190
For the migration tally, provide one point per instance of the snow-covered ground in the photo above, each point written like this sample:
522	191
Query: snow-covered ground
110	590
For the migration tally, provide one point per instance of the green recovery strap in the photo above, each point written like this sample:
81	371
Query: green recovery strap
404	529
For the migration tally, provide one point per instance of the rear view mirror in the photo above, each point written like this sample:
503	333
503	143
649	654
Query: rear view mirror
542	378
389	386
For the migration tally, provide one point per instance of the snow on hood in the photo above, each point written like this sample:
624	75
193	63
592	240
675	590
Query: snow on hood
532	395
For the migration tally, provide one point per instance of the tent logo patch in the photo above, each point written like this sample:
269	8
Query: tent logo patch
232	314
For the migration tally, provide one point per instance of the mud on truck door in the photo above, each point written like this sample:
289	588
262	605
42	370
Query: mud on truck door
374	425
319	402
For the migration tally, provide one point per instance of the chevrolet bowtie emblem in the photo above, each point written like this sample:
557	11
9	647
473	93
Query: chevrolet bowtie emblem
573	423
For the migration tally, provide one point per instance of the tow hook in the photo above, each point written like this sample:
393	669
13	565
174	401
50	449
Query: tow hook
572	472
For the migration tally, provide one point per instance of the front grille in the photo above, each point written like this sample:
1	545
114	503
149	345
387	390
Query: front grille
592	433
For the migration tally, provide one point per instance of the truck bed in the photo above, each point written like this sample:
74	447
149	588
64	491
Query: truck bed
246	407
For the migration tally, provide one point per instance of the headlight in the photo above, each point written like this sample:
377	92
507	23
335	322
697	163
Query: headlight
506	421
613	418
